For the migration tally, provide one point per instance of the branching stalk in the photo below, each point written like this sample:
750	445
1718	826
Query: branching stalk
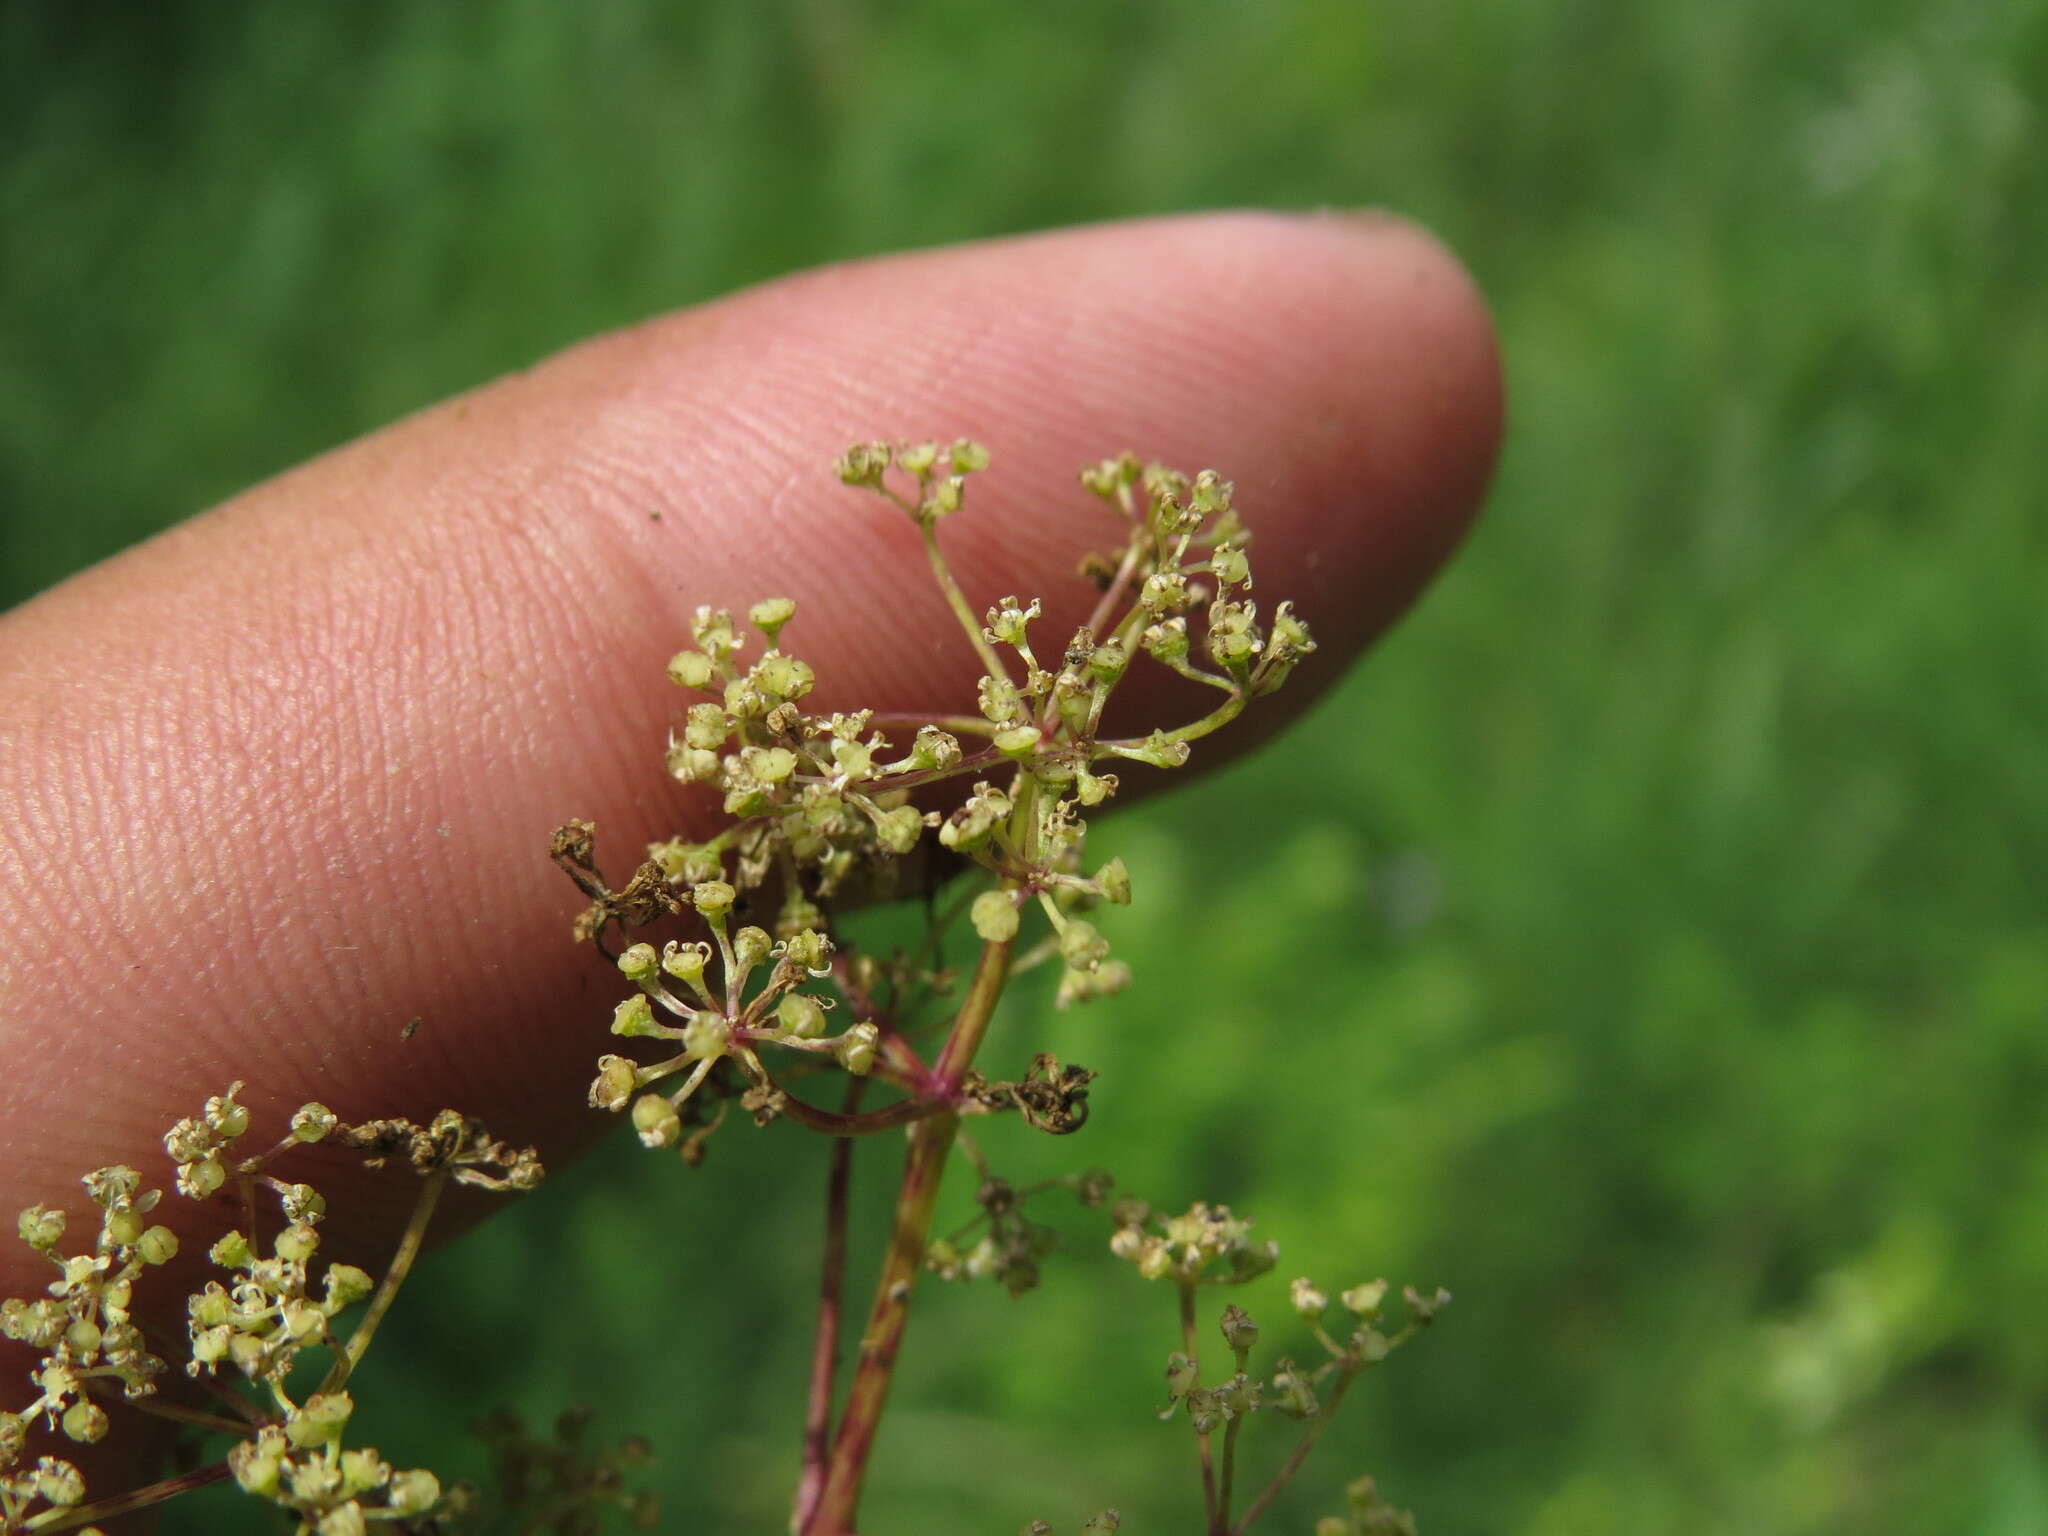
917	1198
387	1289
825	1344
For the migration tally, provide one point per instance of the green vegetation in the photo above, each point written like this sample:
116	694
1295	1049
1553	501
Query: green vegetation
1681	971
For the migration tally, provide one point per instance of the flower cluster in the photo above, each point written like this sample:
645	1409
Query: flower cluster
1007	1243
718	1018
256	1325
86	1333
1367	1513
821	805
1204	1245
300	1466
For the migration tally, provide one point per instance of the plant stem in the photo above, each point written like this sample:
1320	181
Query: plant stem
387	1289
1187	1343
846	1127
957	600
825	1346
125	1503
1314	1432
916	1200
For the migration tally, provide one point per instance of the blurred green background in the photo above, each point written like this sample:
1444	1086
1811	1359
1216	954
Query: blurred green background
1664	941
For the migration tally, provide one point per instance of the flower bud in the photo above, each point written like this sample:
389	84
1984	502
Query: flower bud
856	1048
1161	751
934	748
638	962
706	728
770	765
770	614
58	1481
296	1243
995	917
1020	741
656	1120
1114	881
1364	1301
1293	1394
1230	566
210	1345
1239	1331
1423	1309
1306	1299
414	1492
801	1015
944	496
313	1122
1082	946
256	1463
685	962
347	1285
1000	702
1209	493
691	669
750	946
863	464
122	1227
692	765
633	1017
320	1419
1163	592
899	830
714	898
614	1083
1009	621
808	949
302	1319
41	1228
201	1179
85	1421
158	1245
1239	1395
363	1469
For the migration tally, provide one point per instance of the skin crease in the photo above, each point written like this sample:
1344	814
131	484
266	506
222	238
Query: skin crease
281	779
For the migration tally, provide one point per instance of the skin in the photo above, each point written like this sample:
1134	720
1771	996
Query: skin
280	780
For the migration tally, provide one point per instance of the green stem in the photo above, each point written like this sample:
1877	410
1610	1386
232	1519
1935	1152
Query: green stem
196	1417
387	1289
830	1123
1242	1357
825	1344
916	1201
957	600
1193	1350
1310	1436
65	1519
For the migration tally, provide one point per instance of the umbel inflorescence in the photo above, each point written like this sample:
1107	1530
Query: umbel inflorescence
822	809
241	1366
818	801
